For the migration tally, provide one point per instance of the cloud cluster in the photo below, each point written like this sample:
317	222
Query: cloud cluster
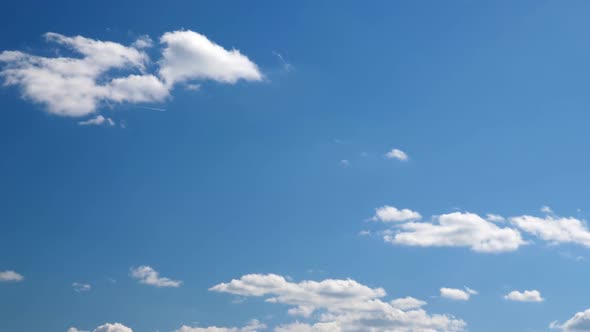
149	276
102	72
340	305
10	276
485	235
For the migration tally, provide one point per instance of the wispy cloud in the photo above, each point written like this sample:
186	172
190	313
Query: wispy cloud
10	276
149	276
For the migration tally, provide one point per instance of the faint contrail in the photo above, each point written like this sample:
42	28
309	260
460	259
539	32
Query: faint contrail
153	108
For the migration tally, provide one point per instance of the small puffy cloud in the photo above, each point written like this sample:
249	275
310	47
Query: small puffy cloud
252	326
392	214
342	305
97	121
10	276
579	323
104	72
457	294
555	229
344	163
80	287
149	276
457	230
189	55
407	303
526	296
546	209
396	154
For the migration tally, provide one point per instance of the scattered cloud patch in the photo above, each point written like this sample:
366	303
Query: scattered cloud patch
555	229
97	121
100	72
80	287
344	163
457	294
526	296
344	305
149	276
397	154
546	209
10	276
392	214
495	217
108	327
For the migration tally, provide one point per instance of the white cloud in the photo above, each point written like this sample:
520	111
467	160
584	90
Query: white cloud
579	323
97	121
555	229
407	303
189	55
149	276
10	276
78	85
457	294
108	327
252	326
80	287
344	163
391	214
457	230
546	209
396	154
526	296
342	305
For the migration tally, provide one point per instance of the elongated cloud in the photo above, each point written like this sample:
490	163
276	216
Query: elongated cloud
252	326
345	305
392	214
458	230
10	276
397	154
457	294
100	72
526	296
555	229
149	276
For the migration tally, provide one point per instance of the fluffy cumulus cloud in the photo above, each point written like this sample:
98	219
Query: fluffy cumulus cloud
340	305
397	154
391	214
457	294
99	72
526	296
457	229
579	323
149	276
10	276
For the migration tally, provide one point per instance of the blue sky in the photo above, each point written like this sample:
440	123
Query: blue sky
308	166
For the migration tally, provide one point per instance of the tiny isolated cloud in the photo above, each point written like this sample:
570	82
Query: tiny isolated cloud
526	296
10	276
81	287
148	276
392	214
580	322
457	294
99	73
97	121
495	217
397	154
546	209
344	163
